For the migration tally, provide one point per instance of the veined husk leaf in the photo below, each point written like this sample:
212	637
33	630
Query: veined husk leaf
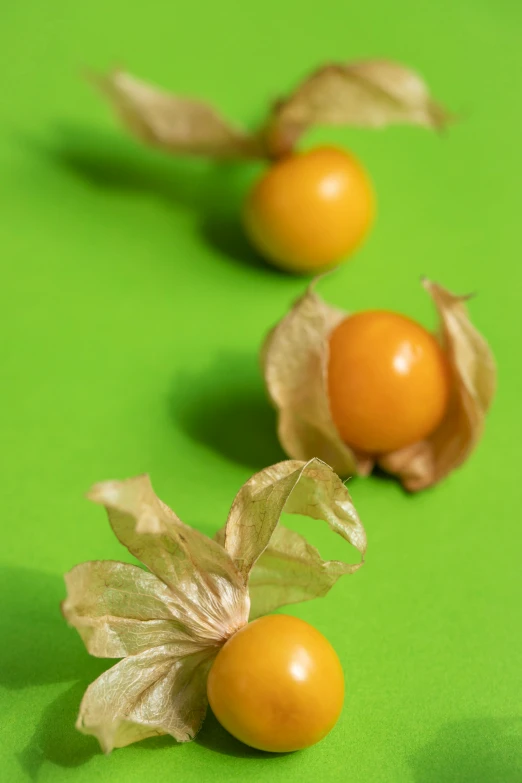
366	94
174	124
290	571
168	623
159	691
283	567
295	366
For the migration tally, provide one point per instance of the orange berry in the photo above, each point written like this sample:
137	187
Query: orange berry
277	684
388	381
310	209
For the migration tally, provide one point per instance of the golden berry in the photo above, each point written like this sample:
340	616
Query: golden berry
277	684
310	209
388	381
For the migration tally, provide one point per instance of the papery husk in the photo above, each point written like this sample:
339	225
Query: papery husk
473	373
169	623
365	94
290	571
159	691
368	94
283	567
295	360
174	124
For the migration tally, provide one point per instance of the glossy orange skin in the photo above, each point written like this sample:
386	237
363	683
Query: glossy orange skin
277	684
310	209
388	381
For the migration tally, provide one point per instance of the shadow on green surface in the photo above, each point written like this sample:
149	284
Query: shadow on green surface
37	646
382	476
226	409
56	739
213	191
39	649
214	737
474	751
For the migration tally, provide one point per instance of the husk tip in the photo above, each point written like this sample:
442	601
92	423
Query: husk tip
102	82
103	492
63	610
442	118
109	493
105	746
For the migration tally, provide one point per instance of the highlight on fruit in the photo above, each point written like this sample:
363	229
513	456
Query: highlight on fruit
182	627
277	685
377	389
309	210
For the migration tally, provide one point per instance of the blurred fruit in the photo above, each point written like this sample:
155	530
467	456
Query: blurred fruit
310	209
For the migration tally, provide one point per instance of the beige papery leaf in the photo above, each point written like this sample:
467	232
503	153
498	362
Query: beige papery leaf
169	622
366	94
295	360
474	377
174	124
283	567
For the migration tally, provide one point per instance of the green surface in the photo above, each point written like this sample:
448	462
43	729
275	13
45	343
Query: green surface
132	314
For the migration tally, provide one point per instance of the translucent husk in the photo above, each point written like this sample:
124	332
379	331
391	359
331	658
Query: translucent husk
365	94
176	124
168	623
368	94
295	366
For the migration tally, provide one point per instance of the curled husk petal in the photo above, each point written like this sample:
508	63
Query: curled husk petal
282	567
200	575
119	609
311	489
295	359
169	623
172	123
473	374
367	94
290	571
159	691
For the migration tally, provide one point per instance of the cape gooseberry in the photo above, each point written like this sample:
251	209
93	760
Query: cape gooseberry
310	209
388	381
277	684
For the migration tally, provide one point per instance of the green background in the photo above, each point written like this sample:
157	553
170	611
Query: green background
132	314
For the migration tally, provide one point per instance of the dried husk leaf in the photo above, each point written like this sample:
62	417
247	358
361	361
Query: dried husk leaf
169	624
281	566
366	94
198	572
295	366
289	571
119	609
294	361
473	387
159	691
172	123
